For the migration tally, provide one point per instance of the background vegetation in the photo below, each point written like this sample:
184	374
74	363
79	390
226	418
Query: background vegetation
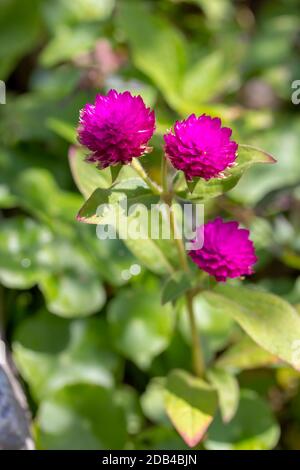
91	340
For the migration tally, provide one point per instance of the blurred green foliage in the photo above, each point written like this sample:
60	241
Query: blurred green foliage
91	341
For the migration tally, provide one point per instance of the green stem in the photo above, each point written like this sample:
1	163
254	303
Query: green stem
164	176
198	359
177	240
136	165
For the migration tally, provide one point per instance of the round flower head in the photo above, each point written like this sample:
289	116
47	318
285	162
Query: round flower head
227	251
200	147
116	128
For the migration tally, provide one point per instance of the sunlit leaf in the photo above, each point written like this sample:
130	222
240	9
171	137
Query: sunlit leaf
246	354
87	176
72	295
247	157
269	320
190	404
228	391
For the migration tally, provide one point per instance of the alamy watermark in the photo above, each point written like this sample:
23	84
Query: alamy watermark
2	92
156	222
296	94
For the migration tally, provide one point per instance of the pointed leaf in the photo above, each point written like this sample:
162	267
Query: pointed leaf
247	157
190	404
228	391
192	184
252	428
175	287
158	254
269	320
133	190
115	170
87	176
246	354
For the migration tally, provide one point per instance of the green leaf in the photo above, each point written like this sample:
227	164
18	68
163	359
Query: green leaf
247	157
52	352
228	391
252	428
81	416
175	287
245	354
282	139
201	87
134	191
21	239
156	254
72	295
158	49
68	43
81	11
39	193
18	32
190	404
87	176
269	320
128	398
89	212
141	327
213	325
115	170
152	401
63	129
160	438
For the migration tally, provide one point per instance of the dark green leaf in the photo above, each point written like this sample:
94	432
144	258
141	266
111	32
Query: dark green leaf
141	327
52	352
253	427
175	287
81	416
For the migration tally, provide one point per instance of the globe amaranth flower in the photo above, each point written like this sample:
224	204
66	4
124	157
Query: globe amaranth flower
200	147
116	128
227	251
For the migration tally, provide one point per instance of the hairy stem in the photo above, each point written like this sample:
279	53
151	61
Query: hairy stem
177	240
164	177
136	165
198	360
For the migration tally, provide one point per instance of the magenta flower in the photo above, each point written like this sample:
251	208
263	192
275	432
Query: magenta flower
200	147
116	128
227	251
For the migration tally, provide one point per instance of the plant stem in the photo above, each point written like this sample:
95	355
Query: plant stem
164	176
177	240
198	360
136	165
